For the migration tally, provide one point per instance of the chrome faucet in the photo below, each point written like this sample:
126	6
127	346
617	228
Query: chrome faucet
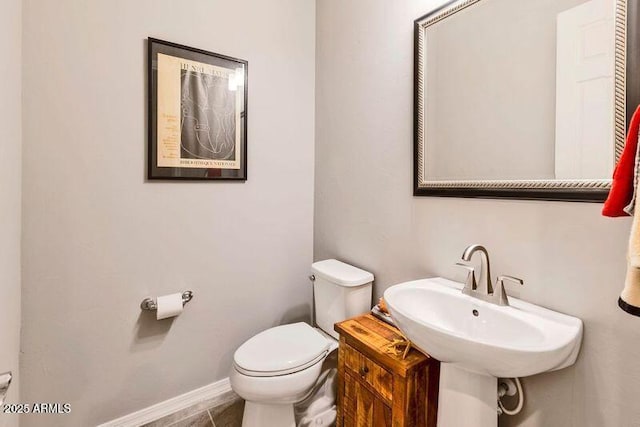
483	289
485	270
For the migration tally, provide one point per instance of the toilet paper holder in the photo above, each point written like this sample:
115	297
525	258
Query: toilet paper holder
150	303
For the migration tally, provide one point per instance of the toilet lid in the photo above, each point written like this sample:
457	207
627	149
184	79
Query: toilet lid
281	350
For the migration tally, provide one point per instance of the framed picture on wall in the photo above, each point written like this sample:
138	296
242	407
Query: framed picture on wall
197	114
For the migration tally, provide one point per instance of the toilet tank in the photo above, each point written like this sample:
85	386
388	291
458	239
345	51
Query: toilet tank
341	291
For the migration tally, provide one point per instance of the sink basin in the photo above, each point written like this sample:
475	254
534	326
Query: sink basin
518	340
477	341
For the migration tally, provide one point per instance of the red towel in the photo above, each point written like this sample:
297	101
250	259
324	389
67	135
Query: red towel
623	175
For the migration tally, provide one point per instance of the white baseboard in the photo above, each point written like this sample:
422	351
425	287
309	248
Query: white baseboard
172	405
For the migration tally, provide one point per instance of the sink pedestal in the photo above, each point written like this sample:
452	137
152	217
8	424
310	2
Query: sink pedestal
466	399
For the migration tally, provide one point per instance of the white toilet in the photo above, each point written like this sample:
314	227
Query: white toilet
280	366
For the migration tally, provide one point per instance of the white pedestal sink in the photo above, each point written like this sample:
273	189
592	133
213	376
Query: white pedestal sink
477	342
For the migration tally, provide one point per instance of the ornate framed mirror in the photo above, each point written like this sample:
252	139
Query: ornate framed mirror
524	99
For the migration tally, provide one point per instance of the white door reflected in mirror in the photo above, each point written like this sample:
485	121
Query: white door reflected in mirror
585	147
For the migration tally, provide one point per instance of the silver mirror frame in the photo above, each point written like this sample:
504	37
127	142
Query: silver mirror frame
565	190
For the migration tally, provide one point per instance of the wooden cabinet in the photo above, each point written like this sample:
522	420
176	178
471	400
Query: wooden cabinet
376	386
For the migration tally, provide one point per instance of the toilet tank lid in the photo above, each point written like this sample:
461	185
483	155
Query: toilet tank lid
340	273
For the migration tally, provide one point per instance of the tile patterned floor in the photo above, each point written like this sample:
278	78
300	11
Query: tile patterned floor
223	411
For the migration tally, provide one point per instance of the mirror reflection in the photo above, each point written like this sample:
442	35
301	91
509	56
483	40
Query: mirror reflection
521	90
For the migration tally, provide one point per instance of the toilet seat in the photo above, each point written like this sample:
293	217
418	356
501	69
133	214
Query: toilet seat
292	370
281	350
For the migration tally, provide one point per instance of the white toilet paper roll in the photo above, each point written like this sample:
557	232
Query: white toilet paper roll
169	306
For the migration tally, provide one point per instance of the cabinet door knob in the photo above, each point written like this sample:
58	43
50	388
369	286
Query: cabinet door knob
364	370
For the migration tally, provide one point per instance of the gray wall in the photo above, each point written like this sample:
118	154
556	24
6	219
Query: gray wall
572	259
10	182
98	238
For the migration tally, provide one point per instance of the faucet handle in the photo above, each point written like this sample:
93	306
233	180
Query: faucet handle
470	283
502	279
501	293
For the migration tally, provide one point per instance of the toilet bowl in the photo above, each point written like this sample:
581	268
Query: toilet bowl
280	366
276	369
